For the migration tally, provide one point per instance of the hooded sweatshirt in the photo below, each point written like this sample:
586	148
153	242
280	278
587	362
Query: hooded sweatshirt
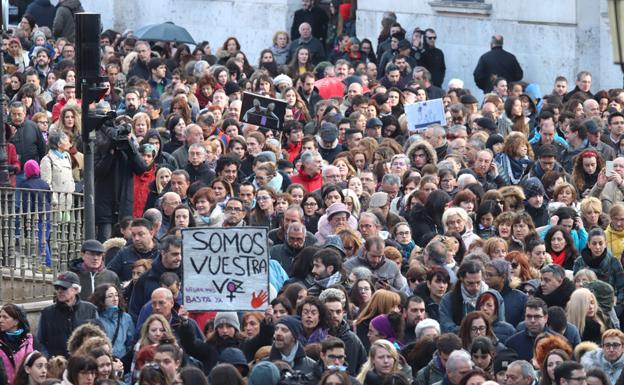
502	329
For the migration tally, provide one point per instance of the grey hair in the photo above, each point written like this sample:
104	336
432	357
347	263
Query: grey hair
438	130
295	226
501	266
308	156
297	208
478	257
333	295
362	272
425	72
391	179
198	146
463	179
372	216
446	164
525	368
200	67
401	156
153	215
330	167
456	357
427	323
437	252
54	138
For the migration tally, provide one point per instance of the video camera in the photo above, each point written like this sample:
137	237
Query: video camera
118	133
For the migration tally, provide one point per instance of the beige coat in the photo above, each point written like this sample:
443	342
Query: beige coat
57	172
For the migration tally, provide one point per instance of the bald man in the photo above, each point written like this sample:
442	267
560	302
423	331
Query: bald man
306	39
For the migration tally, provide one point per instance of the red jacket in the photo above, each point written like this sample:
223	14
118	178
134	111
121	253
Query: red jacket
13	161
141	191
309	183
293	151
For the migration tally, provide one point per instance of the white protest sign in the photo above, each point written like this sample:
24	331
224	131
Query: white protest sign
226	269
420	115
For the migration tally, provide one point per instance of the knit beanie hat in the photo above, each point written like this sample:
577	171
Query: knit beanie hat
228	318
264	373
31	168
293	324
493	140
381	323
235	357
533	187
603	292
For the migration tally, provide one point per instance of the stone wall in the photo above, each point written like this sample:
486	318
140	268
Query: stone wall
549	38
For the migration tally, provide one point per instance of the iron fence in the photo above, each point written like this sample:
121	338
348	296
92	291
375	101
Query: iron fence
40	232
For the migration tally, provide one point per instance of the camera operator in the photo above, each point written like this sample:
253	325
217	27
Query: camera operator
116	160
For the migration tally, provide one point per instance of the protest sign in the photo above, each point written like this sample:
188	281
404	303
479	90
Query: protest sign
225	269
263	111
420	115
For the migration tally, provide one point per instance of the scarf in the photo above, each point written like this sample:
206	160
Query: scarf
318	335
590	180
471	299
328	281
558	258
517	167
290	358
60	154
406	249
593	261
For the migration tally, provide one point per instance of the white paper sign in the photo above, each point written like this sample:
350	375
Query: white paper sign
226	269
420	115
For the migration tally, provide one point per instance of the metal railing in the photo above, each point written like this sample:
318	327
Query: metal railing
40	232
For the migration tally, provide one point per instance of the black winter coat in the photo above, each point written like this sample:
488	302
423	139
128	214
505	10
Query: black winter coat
201	173
29	143
114	180
496	62
421	224
57	323
43	12
146	284
433	60
354	348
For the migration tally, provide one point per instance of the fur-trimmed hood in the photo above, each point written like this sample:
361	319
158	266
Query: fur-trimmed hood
423	145
114	242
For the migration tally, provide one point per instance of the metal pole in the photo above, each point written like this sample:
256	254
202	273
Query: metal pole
4	157
89	182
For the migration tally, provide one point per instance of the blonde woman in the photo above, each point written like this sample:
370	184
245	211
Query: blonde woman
141	123
583	312
591	211
352	201
382	302
345	168
383	361
154	329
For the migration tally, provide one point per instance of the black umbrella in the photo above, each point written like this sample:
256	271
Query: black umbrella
166	31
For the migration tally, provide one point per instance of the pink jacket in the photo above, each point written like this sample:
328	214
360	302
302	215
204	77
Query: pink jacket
12	360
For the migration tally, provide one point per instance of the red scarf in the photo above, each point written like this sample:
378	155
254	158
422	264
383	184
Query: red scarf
558	258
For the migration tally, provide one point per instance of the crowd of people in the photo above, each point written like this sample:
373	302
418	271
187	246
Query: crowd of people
484	251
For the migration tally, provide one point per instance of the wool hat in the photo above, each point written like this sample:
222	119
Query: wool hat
487	124
37	33
264	373
328	132
373	122
592	127
381	323
503	359
468	99
235	357
547	150
293	324
279	79
269	155
533	187
31	168
336	208
92	245
378	199
67	279
228	318
603	292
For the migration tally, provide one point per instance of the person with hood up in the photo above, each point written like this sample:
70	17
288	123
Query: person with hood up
421	153
599	259
143	181
264	373
535	204
63	24
491	304
163	159
91	270
510	302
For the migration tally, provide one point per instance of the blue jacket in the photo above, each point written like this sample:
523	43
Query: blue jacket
522	343
502	329
43	12
579	236
448	322
515	302
127	255
125	336
571	333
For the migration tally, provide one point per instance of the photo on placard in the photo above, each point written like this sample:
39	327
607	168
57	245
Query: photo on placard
263	111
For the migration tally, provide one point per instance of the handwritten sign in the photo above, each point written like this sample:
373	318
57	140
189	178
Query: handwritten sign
420	115
225	269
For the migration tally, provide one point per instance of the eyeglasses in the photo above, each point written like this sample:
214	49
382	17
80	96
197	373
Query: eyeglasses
262	198
479	329
310	204
234	209
43	122
535	317
432	37
613	346
403	234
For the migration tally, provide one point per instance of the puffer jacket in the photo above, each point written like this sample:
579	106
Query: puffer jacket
502	329
12	354
425	146
57	172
